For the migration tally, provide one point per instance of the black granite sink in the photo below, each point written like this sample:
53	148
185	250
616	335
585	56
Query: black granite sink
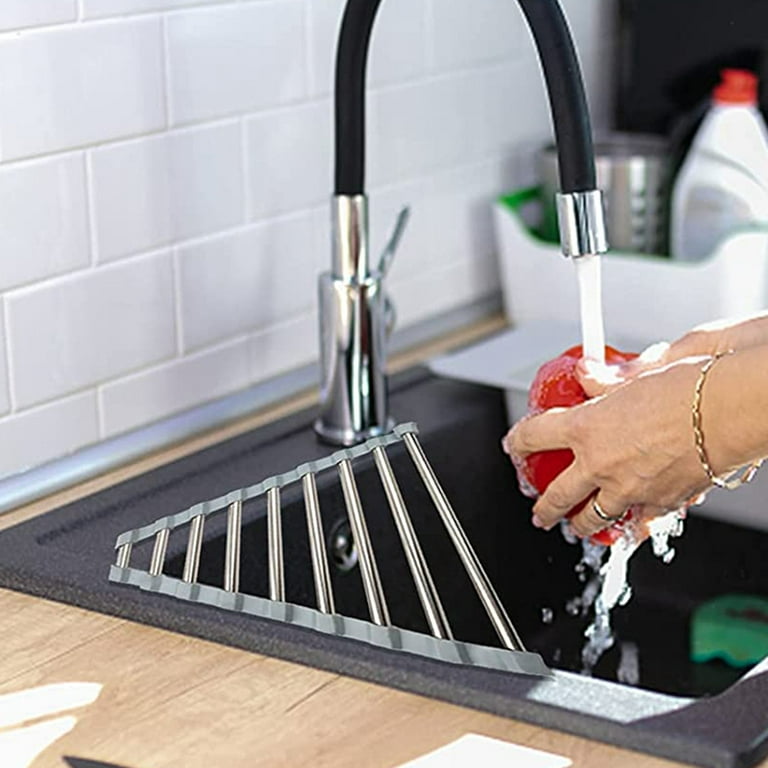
708	714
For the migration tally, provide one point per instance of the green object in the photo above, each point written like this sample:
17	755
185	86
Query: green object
733	628
546	229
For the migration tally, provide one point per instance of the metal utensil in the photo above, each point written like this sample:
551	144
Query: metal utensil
632	173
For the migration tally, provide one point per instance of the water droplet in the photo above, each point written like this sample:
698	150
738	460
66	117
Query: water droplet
573	607
567	532
628	671
626	595
547	615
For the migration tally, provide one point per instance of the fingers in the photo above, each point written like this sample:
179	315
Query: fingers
598	378
654	356
564	493
592	518
700	341
545	432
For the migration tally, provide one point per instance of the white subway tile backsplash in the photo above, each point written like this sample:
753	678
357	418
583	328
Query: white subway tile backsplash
172	187
590	22
399	42
247	280
283	347
48	432
467	34
68	87
43	219
595	73
237	58
5	400
453	120
75	332
462	197
414	129
289	159
439	267
448	287
15	14
93	9
173	387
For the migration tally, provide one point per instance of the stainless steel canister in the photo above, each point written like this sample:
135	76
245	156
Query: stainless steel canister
632	171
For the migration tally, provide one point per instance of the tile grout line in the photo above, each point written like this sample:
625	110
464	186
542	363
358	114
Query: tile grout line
7	348
166	48
309	50
245	173
178	314
90	211
101	421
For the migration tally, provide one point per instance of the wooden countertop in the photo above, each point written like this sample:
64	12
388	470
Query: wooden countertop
169	701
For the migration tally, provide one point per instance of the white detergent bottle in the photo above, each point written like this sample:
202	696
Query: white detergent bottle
722	186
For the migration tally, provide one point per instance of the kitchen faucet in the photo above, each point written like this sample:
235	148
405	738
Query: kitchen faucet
355	315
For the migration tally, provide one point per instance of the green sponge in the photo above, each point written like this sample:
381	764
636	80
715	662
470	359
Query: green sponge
731	627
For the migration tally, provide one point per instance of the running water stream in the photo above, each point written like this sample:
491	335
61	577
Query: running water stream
606	583
591	307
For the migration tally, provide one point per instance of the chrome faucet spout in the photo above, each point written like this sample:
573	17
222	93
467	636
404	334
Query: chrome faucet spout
352	303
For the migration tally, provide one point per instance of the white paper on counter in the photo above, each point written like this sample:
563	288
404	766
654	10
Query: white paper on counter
510	359
474	749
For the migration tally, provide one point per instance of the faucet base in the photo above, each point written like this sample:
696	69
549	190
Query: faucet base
347	436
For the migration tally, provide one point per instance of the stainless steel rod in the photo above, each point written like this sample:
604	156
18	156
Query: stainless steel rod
194	547
425	586
275	546
158	552
124	555
232	552
482	584
322	575
374	594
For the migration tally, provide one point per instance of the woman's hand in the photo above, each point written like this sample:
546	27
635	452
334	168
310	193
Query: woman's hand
633	447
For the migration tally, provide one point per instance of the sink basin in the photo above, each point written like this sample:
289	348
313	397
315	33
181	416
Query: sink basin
535	573
709	714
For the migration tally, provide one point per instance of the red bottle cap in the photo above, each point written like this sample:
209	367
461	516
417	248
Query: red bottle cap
737	86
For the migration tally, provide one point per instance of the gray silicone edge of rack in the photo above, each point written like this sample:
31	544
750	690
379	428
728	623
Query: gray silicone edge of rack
390	638
277	481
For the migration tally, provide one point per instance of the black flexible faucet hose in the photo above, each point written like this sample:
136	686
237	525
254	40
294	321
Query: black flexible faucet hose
561	71
351	64
567	100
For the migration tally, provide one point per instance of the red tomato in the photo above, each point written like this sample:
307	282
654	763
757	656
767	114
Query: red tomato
556	386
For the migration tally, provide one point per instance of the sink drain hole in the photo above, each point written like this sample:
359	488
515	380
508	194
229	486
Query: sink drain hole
342	547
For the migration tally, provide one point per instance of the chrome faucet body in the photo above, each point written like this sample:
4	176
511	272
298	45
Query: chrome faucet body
353	391
355	315
355	319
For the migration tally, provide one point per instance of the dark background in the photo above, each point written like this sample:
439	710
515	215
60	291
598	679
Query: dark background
670	55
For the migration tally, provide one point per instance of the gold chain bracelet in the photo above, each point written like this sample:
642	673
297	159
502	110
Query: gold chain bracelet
739	477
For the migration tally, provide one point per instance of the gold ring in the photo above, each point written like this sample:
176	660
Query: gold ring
602	514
